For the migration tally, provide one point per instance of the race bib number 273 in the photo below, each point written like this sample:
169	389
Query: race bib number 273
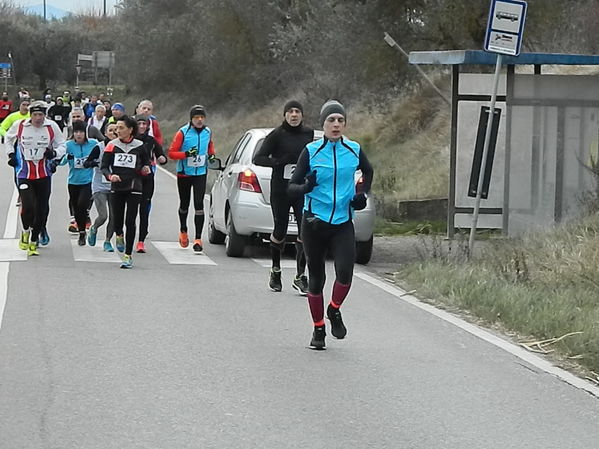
125	160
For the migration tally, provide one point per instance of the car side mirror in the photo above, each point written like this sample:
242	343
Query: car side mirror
215	164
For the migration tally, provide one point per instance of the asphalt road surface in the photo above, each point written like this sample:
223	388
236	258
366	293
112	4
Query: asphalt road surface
193	351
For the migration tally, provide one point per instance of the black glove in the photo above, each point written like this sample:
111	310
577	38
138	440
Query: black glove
69	156
12	160
358	202
49	153
90	163
192	152
310	182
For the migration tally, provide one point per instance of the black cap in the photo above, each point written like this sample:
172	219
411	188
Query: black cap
142	118
79	126
197	109
293	104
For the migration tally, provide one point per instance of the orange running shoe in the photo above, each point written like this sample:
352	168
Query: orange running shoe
141	247
197	245
183	239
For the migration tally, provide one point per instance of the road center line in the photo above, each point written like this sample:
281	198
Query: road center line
505	345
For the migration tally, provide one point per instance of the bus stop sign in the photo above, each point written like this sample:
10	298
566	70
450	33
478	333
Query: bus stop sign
505	27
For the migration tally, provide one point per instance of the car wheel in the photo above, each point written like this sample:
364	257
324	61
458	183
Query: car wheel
234	243
214	235
364	251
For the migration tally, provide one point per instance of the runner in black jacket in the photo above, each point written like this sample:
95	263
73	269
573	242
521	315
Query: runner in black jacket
280	151
156	154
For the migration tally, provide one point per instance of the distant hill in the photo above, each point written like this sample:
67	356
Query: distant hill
52	12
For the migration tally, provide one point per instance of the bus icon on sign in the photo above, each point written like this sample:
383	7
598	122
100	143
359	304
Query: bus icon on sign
501	15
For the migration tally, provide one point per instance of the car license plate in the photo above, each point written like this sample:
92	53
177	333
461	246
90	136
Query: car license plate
291	218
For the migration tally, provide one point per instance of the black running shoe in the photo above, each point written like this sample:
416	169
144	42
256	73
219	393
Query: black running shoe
317	341
337	327
275	281
300	283
82	238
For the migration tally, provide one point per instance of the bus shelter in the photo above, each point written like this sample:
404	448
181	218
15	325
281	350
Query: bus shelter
547	138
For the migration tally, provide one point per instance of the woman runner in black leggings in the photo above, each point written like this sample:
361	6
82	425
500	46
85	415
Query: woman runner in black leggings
124	162
325	175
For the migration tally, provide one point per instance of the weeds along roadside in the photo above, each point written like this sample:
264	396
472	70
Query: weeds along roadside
406	139
544	285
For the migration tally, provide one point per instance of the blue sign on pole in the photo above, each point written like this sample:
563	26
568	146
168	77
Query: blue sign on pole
5	65
505	26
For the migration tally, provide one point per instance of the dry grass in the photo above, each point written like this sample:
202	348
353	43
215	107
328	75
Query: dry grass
407	140
542	285
408	144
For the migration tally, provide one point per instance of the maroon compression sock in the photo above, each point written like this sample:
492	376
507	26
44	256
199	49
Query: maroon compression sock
316	304
340	292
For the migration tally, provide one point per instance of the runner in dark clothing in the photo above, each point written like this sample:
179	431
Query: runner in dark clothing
59	112
325	176
280	151
156	154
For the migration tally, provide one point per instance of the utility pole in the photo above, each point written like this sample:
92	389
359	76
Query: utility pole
104	8
44	10
391	42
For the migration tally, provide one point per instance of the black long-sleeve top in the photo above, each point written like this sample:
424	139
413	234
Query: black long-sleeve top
280	148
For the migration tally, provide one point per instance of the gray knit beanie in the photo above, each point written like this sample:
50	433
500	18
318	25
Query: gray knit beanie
331	107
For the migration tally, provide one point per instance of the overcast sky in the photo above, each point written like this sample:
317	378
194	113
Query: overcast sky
70	5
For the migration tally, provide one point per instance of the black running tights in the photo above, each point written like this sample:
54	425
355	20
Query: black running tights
145	206
35	199
124	209
318	237
79	198
185	184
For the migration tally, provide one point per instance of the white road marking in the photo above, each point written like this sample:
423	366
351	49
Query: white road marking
176	255
3	288
10	230
10	251
166	172
267	263
93	254
511	348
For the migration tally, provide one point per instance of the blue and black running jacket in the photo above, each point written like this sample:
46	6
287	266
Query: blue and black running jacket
335	164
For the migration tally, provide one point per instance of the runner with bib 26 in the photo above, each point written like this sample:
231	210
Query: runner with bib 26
192	148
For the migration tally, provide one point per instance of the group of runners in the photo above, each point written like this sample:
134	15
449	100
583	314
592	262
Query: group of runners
112	163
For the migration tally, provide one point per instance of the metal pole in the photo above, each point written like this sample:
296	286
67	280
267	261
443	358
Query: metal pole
104	8
110	70
12	68
391	42
44	10
481	174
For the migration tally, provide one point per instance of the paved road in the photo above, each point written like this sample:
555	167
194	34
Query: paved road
186	355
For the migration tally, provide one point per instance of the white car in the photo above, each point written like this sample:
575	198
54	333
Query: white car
240	202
